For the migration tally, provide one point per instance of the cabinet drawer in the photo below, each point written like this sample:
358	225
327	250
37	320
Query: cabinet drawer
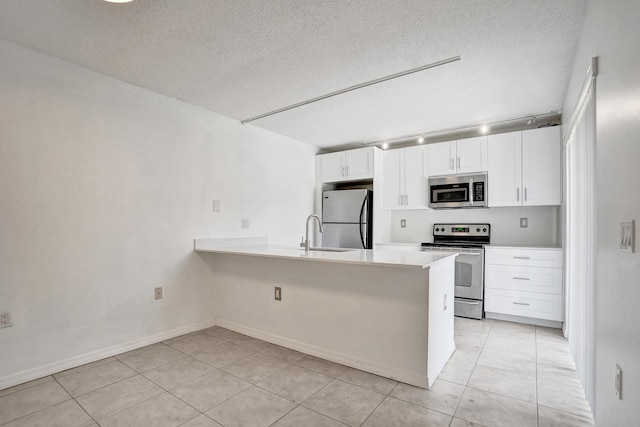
528	279
525	257
527	304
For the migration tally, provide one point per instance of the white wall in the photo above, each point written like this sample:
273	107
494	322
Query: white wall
505	224
611	33
103	187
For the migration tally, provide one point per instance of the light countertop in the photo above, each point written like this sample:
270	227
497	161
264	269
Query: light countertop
351	256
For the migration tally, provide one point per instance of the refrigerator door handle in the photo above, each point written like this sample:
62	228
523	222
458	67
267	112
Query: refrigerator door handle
364	203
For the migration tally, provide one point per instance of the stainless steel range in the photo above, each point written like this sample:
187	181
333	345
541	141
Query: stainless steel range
468	240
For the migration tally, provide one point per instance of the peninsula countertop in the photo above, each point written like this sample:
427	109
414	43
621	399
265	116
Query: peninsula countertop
350	256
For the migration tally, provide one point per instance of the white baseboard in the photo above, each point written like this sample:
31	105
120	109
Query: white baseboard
411	378
521	319
82	359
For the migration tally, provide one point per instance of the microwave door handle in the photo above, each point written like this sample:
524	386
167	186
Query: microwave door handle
471	191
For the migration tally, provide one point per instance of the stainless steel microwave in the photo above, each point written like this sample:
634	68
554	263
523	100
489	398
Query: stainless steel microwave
458	191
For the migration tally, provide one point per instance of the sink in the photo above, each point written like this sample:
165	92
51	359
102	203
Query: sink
330	250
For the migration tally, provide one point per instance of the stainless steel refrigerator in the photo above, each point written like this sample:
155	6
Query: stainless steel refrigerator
347	219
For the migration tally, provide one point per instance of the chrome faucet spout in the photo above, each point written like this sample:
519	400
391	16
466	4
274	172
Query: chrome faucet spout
305	243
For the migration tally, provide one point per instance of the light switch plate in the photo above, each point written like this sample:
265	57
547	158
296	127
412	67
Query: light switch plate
403	223
628	235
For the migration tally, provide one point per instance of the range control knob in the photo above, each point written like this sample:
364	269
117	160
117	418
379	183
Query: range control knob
478	230
484	229
437	229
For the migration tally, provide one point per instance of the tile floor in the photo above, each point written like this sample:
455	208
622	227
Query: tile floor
502	374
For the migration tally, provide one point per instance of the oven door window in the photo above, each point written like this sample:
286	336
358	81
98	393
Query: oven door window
447	193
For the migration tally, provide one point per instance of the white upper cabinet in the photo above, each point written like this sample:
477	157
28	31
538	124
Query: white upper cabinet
350	165
405	178
525	168
462	156
542	166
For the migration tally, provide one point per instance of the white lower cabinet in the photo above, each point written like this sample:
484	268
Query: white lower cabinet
524	282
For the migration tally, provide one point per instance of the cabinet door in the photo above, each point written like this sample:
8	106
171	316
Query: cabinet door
471	154
542	166
441	158
505	169
415	161
359	163
333	167
393	177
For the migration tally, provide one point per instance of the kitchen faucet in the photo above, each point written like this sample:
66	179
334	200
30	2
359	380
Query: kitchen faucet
305	243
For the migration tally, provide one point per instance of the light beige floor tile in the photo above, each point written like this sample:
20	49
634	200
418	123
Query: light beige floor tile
503	382
252	407
511	329
164	410
443	396
288	355
456	372
201	421
511	344
302	416
494	410
393	412
181	337
344	402
67	414
467	356
86	380
524	364
25	386
222	354
295	383
83	367
563	393
457	422
369	381
322	366
109	400
152	358
223	334
192	343
30	400
553	369
142	349
256	367
251	343
467	340
179	372
473	325
549	335
207	391
556	352
548	417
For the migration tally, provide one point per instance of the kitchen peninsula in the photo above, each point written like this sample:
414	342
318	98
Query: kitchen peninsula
389	313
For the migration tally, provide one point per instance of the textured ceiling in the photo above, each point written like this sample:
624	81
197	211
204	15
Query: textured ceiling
242	58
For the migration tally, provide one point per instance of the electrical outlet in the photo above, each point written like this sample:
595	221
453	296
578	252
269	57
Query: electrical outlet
5	319
618	382
244	223
158	293
524	222
278	293
403	223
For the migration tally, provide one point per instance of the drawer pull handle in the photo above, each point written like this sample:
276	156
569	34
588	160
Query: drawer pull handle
521	303
521	257
521	278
